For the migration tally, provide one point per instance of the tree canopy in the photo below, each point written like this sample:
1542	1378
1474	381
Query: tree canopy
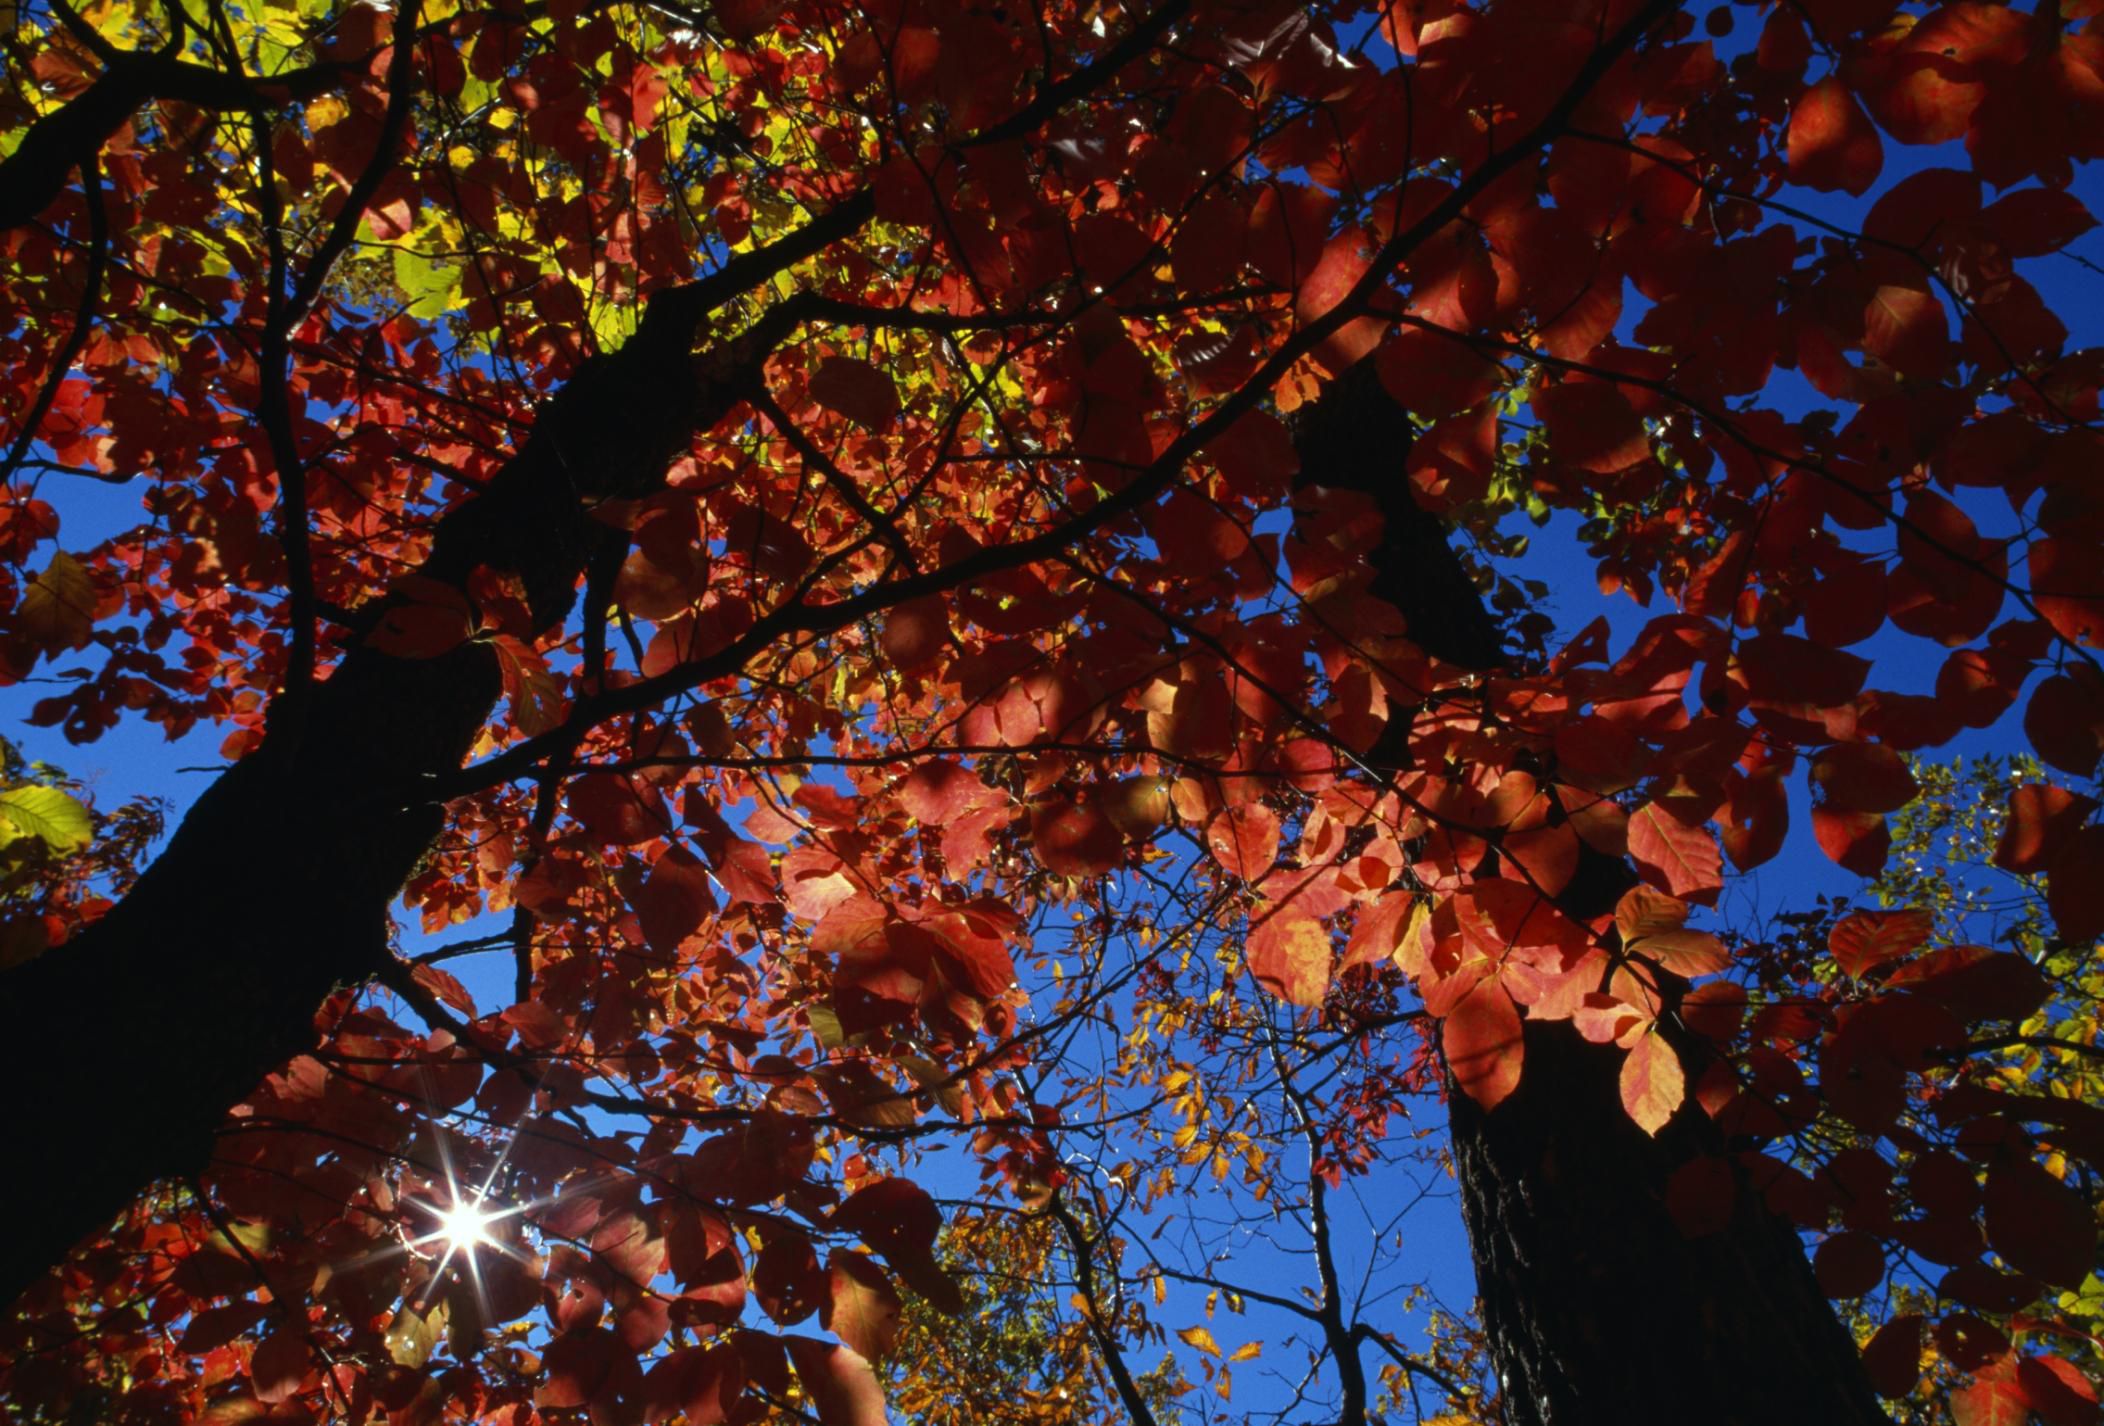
935	581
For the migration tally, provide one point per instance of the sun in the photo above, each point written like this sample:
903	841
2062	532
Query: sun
465	1227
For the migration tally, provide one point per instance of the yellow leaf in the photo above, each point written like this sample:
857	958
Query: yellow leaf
1248	1351
46	813
326	112
1201	1339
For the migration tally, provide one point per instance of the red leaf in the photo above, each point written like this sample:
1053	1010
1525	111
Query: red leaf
1289	954
578	1366
1074	839
673	900
1989	1403
1892	1358
1977	686
2067	583
1450	464
892	1215
838	1381
1209	244
1431	374
2065	721
896	1217
279	1366
1863	940
2057	1390
2042	818
1990	1290
1755	816
2038	1224
1976	982
1669	851
1343	262
2075	887
1781	668
703	1382
1831	142
1256	455
1646	911
1905	327
2032	222
862	1308
1859	841
421	631
1591	425
1481	1038
916	631
1862	777
1849	1264
615	808
856	390
217	1326
1968	1342
1915	210
940	791
786	1278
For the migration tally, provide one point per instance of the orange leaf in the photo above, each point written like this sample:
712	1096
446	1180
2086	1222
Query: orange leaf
1244	839
1289	953
1652	1083
1482	1040
1202	1339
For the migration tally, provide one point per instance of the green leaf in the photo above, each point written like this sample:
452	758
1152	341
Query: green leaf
432	287
53	817
613	323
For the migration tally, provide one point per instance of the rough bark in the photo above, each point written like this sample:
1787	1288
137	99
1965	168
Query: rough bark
1596	1306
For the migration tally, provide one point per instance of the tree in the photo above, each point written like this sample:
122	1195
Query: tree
814	518
1959	860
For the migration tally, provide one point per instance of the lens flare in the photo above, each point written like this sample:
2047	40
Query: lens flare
465	1227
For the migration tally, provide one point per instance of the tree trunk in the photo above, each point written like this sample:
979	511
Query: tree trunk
1596	1305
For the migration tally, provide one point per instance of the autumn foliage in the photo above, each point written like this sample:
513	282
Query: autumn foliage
795	528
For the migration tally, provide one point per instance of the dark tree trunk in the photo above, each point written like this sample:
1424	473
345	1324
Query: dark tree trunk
1596	1305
